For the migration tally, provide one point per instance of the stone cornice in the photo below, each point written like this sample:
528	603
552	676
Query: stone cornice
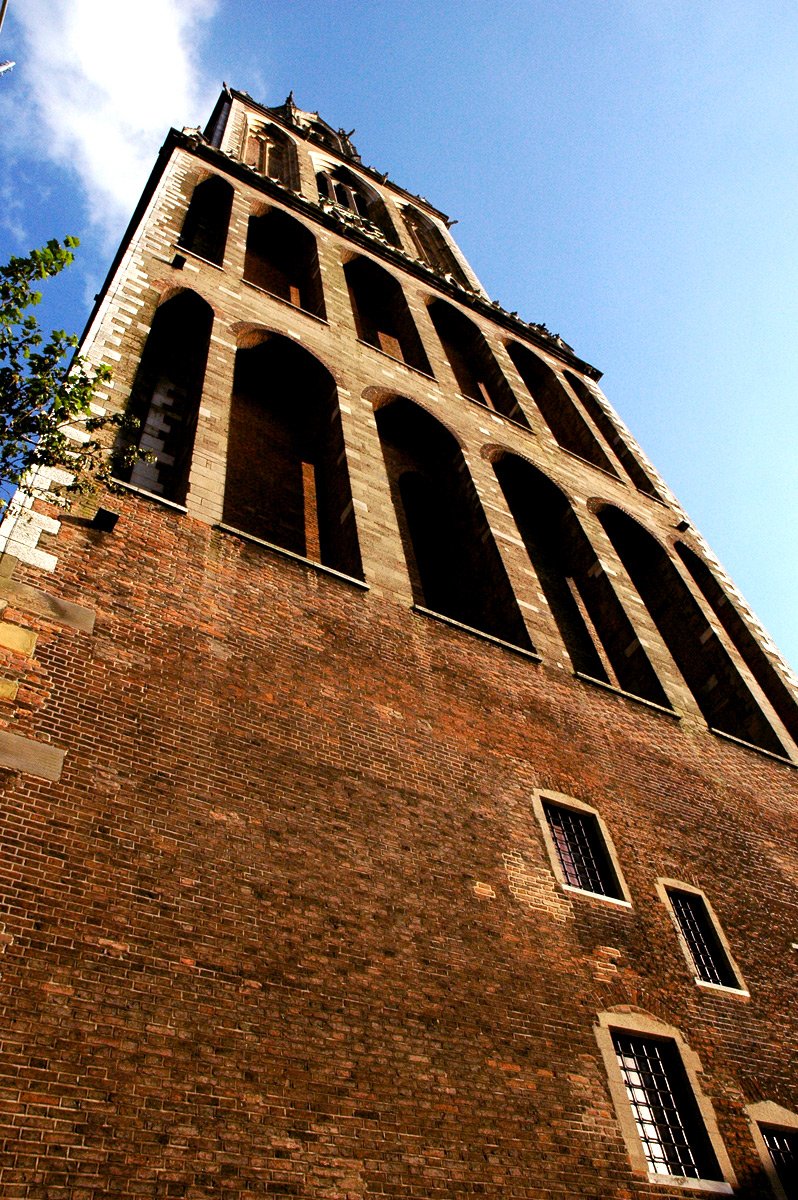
328	216
379	177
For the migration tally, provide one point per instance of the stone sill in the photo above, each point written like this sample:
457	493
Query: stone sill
604	470
718	1186
729	737
401	362
480	633
610	687
494	412
282	300
740	992
190	254
300	558
618	901
651	496
137	491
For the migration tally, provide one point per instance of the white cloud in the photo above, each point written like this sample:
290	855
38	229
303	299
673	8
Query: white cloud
12	212
105	80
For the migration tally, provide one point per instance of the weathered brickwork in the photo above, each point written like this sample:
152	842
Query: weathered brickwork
284	922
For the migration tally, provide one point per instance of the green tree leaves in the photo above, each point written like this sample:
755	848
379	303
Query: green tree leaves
47	392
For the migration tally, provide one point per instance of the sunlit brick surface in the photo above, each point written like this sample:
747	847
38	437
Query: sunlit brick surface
286	924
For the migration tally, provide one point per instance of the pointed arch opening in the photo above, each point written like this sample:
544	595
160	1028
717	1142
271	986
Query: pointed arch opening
605	424
358	199
382	315
477	373
454	566
273	153
207	219
326	135
282	258
287	480
568	427
742	638
598	635
431	245
717	687
166	394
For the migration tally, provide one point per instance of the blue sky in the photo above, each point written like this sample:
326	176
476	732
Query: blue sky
624	171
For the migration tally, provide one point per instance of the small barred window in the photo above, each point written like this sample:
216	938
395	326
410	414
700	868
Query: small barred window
709	957
674	1138
581	851
782	1146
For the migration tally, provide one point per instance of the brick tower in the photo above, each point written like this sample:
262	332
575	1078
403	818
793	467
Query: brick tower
400	801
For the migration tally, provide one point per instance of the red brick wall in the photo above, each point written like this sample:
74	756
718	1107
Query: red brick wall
286	925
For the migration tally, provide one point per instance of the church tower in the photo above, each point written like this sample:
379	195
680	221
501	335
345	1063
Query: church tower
400	800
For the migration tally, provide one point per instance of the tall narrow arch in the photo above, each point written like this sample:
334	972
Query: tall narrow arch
454	565
287	480
432	246
205	228
271	152
351	193
382	315
604	422
742	638
166	394
477	373
568	427
282	258
326	135
598	635
717	686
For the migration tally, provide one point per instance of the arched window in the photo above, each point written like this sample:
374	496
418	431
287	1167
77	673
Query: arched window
166	394
326	135
718	689
603	422
364	205
381	313
208	217
282	259
454	566
568	426
740	635
271	152
287	480
477	373
432	246
597	633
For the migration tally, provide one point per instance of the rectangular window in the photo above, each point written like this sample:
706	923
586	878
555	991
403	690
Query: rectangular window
669	1124
782	1146
580	848
698	929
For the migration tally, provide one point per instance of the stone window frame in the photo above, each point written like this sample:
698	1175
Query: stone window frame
767	1112
644	1025
664	885
559	799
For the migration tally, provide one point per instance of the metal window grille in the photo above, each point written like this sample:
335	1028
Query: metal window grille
782	1145
581	851
668	1122
709	957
